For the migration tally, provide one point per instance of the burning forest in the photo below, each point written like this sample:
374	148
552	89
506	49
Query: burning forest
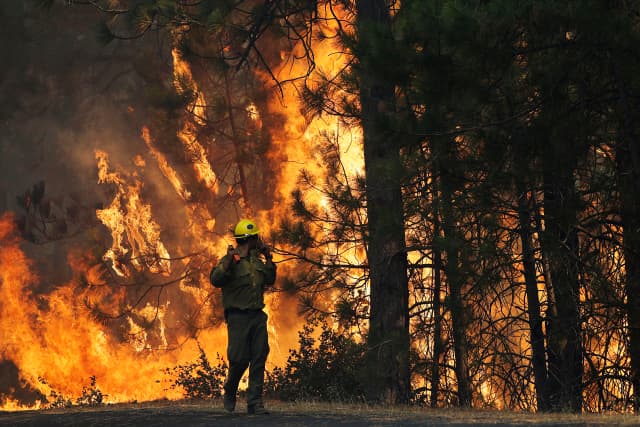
450	191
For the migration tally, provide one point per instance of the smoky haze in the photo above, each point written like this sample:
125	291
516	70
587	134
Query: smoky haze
64	95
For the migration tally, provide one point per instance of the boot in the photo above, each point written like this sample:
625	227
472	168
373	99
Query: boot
229	402
257	409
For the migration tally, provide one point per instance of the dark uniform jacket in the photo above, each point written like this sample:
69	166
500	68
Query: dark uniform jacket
244	282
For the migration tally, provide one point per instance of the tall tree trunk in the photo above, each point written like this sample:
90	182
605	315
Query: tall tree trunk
437	306
628	163
630	196
388	339
546	266
561	244
455	279
533	301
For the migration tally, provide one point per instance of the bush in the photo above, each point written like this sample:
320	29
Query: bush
91	396
328	371
200	380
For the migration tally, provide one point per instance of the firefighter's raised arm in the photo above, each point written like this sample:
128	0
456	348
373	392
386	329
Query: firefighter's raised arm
219	275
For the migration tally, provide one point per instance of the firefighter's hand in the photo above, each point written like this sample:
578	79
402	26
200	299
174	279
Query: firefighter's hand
265	250
226	261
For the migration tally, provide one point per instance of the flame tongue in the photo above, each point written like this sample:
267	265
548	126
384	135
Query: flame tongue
166	169
130	220
189	135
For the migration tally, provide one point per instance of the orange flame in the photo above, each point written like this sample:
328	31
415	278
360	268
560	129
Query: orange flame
129	219
188	135
165	167
63	344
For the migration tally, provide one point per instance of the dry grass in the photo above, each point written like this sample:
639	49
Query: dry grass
455	416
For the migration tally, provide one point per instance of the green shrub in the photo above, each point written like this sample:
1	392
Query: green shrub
322	369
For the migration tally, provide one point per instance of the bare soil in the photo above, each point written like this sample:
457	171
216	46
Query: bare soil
169	414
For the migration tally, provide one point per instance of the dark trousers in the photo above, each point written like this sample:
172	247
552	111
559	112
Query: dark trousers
248	346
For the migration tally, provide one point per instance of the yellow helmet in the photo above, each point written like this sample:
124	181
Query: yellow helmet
245	228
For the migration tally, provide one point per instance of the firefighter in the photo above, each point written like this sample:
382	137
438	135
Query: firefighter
243	273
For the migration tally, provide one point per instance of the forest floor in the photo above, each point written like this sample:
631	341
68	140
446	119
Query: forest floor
189	413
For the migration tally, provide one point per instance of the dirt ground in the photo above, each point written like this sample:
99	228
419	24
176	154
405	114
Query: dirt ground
169	414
